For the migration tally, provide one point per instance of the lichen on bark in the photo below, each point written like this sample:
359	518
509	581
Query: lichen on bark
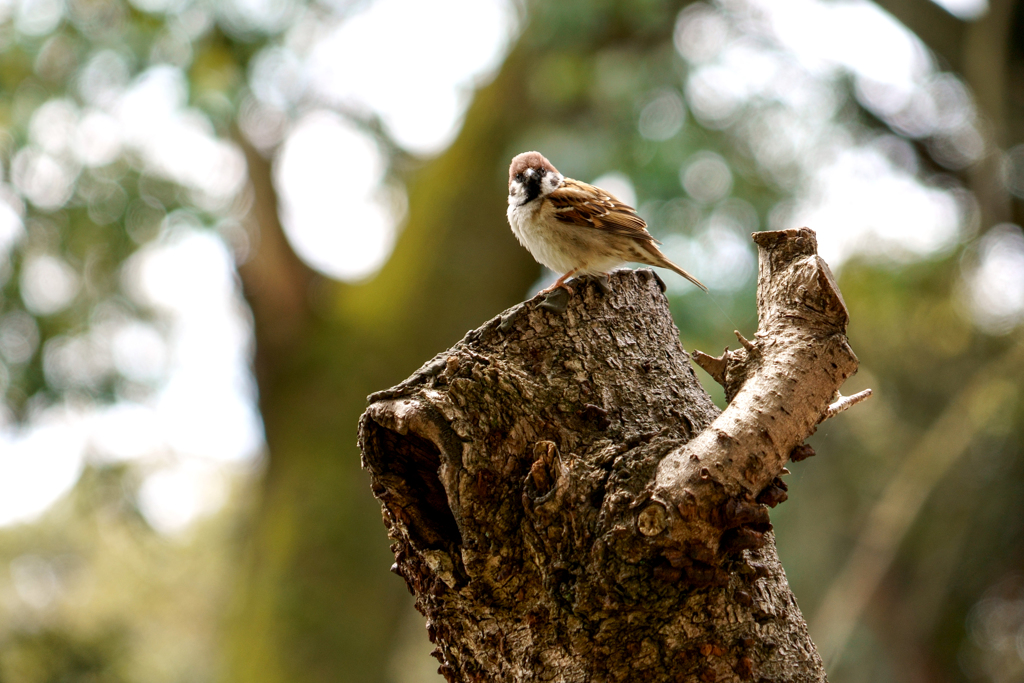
567	503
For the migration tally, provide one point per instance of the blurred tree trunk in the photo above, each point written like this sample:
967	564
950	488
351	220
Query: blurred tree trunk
986	67
988	53
568	504
315	600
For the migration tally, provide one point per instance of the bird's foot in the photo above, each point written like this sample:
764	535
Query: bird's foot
559	284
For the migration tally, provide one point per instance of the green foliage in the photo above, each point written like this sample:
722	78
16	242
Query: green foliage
112	207
92	593
51	656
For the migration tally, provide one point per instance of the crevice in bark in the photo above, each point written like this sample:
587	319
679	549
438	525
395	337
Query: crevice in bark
567	503
411	485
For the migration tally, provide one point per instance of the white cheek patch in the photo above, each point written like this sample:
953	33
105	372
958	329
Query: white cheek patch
515	189
552	181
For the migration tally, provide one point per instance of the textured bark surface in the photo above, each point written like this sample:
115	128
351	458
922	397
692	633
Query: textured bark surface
567	503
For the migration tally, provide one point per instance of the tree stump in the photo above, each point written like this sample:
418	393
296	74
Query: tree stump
567	503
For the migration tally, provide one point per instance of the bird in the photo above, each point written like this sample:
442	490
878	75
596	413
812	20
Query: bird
574	228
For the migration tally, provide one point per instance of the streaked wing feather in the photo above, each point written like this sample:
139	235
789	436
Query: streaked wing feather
588	206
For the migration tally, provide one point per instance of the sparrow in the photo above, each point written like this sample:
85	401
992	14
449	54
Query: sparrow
575	228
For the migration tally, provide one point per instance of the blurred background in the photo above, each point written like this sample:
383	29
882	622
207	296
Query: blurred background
223	224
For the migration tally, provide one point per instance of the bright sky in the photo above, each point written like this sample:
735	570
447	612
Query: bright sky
202	425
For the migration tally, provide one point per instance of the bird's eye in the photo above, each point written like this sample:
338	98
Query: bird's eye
519	177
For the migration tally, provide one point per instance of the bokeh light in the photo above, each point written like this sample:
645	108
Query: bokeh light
323	159
421	100
968	10
48	284
706	177
780	66
663	116
995	283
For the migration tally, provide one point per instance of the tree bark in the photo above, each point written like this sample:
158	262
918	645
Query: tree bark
567	503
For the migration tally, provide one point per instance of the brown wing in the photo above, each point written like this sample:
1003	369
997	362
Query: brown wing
585	205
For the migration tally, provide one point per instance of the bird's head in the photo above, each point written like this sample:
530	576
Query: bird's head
531	176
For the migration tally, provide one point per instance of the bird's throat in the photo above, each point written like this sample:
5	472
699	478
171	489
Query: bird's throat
531	186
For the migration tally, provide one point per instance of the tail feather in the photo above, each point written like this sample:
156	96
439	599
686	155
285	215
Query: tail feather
659	259
673	266
668	264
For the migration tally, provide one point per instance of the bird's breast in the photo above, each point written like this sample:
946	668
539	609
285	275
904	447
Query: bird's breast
554	244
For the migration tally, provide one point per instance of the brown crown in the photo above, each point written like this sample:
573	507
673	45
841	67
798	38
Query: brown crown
526	160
